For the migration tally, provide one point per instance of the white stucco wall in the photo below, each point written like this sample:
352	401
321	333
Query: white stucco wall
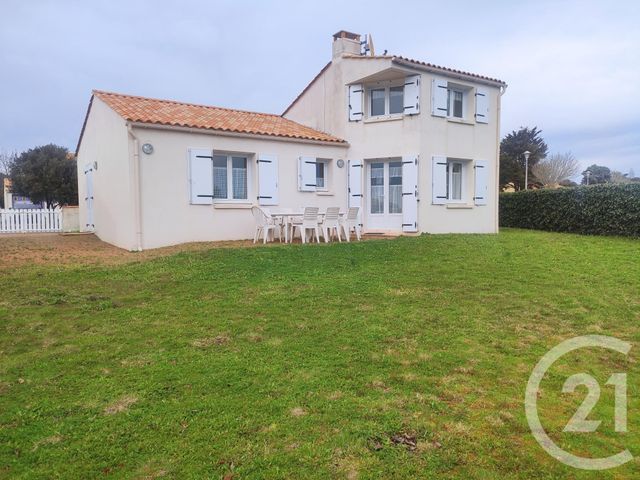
167	216
324	107
105	143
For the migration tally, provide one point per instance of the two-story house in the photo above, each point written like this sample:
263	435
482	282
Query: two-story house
414	145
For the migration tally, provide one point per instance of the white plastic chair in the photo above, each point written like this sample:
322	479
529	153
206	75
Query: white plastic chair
330	223
350	222
264	224
309	222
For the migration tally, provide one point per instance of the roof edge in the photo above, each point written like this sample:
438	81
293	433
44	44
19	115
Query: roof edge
304	90
84	124
411	63
447	71
177	102
339	142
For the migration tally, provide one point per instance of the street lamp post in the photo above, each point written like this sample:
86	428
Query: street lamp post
526	169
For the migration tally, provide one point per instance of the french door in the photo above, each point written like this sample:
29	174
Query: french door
384	195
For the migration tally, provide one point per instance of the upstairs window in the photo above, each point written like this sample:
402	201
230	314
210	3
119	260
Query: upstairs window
386	101
455	99
378	102
396	100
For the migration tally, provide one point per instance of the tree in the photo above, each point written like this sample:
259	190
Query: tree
596	174
45	174
558	167
6	159
512	148
619	177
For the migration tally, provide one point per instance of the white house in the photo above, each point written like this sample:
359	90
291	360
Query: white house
413	144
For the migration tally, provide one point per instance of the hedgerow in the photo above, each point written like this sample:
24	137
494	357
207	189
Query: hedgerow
595	209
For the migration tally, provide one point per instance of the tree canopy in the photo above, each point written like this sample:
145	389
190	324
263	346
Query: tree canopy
552	170
512	148
597	174
45	174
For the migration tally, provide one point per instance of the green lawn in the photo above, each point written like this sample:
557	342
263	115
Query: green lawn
317	361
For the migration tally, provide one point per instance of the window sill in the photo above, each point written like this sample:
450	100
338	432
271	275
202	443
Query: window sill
324	193
461	121
228	205
459	206
384	118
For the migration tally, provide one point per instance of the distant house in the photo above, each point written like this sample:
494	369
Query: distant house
412	144
16	201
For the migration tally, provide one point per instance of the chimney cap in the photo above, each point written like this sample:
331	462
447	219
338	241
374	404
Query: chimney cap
345	34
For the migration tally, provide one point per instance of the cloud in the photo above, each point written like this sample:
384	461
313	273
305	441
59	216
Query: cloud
571	65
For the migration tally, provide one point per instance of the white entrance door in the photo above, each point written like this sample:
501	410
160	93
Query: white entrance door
88	173
384	195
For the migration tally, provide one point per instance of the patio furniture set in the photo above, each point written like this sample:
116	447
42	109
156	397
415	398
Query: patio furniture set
309	223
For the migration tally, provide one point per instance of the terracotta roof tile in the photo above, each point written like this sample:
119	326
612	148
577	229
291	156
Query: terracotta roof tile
400	59
171	113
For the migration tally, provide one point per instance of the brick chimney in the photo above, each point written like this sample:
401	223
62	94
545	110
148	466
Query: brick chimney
345	42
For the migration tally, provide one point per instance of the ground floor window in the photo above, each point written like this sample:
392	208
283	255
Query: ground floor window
385	187
395	187
377	188
229	177
322	174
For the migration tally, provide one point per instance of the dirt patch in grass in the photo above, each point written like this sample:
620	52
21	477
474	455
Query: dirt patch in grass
55	249
121	405
209	342
407	440
52	440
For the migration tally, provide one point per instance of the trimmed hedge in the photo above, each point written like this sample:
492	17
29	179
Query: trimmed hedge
595	209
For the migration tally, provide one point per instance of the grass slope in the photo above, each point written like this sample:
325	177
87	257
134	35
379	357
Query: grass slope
315	361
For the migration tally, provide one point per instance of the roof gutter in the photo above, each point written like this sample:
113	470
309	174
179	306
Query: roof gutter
224	133
503	89
135	188
447	73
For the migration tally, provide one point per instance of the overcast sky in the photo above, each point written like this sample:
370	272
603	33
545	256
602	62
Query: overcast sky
573	67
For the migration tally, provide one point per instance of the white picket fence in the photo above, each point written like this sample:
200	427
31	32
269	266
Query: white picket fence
30	220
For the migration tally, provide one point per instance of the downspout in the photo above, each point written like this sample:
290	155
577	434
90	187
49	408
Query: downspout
503	89
137	214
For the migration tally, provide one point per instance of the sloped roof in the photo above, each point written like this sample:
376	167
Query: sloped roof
178	114
401	60
304	90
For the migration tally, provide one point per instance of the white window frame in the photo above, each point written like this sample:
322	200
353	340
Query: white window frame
464	174
465	91
230	156
387	95
326	163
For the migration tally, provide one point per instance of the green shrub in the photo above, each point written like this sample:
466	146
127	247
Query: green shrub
596	210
